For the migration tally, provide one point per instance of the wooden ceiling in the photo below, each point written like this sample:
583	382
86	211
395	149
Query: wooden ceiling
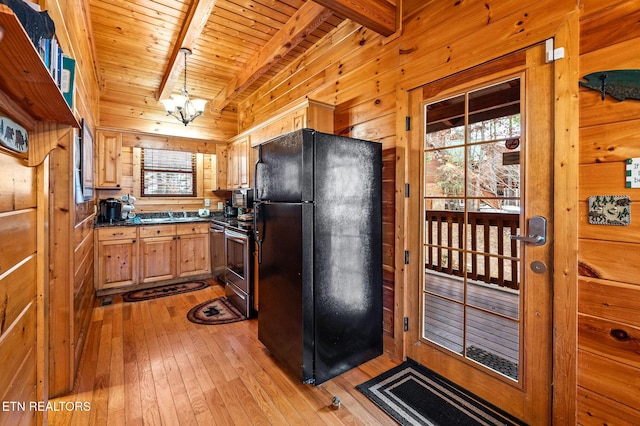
237	45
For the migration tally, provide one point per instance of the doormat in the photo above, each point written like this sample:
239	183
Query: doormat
162	291
493	361
414	395
215	311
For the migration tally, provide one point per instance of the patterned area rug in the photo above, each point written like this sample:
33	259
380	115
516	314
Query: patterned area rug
162	291
495	362
414	395
215	311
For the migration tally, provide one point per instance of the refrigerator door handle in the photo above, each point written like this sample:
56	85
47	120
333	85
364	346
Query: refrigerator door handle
256	174
256	229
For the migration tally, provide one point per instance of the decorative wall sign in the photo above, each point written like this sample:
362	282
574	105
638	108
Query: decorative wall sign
13	136
610	210
619	84
633	173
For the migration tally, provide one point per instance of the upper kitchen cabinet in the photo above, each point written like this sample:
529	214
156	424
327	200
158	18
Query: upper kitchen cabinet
238	163
305	114
219	168
108	159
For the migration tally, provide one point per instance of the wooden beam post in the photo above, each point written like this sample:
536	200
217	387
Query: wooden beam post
377	15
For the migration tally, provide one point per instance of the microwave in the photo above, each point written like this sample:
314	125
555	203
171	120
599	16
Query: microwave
242	198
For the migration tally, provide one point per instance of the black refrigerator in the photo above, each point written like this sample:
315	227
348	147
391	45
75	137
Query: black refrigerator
318	226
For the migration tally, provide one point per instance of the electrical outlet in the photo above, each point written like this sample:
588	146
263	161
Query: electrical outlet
219	205
207	202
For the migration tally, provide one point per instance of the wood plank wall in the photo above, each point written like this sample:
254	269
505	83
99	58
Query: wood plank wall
609	282
18	304
131	180
361	73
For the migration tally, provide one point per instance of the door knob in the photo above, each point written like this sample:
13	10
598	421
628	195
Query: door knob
537	235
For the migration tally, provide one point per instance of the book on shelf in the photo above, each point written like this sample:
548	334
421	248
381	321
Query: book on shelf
60	66
67	79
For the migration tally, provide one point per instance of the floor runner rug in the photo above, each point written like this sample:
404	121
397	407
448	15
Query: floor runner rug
215	311
162	291
414	395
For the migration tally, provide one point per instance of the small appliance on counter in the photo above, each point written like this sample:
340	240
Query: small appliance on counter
229	209
242	198
109	210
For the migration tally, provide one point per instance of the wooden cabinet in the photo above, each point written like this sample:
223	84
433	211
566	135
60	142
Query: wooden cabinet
117	257
238	163
108	159
174	251
193	255
305	114
154	254
242	154
219	168
158	249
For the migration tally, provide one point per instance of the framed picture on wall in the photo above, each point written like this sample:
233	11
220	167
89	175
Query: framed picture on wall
86	166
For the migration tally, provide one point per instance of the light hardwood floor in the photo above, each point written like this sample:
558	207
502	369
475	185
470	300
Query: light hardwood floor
145	363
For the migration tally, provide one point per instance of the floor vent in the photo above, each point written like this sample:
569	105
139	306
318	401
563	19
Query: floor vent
106	301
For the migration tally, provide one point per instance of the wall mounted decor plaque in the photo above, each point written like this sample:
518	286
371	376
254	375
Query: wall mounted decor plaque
619	84
610	210
632	173
13	136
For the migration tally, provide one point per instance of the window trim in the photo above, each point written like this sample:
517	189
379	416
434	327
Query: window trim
194	175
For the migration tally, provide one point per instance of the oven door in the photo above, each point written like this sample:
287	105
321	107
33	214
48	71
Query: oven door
237	259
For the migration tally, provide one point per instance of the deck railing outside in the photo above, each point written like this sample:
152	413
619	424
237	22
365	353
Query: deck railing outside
492	257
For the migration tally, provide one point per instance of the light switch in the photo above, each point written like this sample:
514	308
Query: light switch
207	202
219	205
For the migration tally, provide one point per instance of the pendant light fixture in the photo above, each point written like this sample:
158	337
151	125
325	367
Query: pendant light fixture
180	106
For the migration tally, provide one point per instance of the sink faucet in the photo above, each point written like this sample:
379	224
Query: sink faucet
170	213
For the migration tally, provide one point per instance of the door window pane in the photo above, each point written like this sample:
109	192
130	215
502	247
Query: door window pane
472	194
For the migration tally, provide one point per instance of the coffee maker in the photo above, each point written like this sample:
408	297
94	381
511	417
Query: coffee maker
229	210
109	210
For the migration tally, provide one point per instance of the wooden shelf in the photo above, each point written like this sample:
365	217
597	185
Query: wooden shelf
24	77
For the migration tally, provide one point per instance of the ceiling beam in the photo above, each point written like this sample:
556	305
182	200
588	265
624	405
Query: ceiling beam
195	21
377	15
309	17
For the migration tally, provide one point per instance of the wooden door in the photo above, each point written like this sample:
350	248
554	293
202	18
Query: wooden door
108	155
117	263
158	258
479	301
242	151
193	250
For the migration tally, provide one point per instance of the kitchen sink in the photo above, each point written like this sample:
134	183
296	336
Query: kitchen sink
155	220
171	220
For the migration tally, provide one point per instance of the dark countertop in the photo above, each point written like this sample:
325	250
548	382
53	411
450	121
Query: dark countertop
162	219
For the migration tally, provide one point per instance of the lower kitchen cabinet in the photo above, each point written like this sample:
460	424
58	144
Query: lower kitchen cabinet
158	249
129	256
174	251
193	249
117	257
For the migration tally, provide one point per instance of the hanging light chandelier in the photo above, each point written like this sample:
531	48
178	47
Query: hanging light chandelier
180	106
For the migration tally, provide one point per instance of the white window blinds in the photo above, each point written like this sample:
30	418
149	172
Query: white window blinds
168	173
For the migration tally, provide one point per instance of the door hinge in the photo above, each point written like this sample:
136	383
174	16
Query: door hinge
406	257
407	188
407	123
406	323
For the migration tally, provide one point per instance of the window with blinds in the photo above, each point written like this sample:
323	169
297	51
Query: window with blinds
168	173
